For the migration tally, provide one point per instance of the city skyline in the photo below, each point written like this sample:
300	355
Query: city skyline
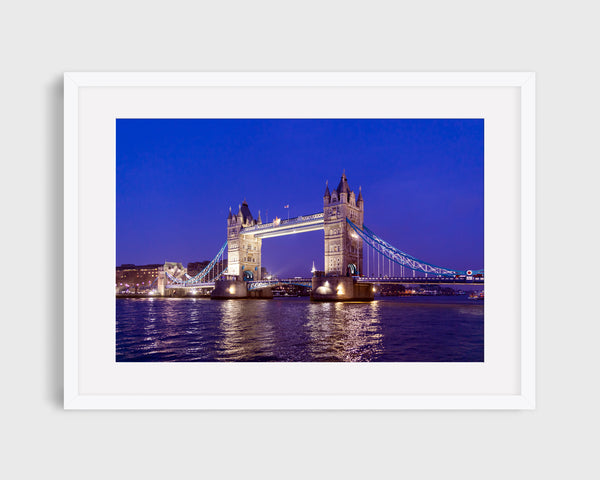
422	181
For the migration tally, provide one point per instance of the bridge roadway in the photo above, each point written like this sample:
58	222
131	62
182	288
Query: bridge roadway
307	282
191	286
422	280
257	285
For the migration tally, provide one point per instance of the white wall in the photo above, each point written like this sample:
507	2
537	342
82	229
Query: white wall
40	40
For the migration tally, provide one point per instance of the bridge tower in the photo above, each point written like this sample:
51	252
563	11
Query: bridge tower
243	251
343	247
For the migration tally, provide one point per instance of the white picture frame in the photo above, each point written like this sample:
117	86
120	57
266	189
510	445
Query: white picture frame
88	371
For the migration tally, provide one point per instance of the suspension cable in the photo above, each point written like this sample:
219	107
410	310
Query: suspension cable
402	258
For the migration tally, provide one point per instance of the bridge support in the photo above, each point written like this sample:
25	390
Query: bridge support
343	247
233	288
161	282
243	251
229	288
340	289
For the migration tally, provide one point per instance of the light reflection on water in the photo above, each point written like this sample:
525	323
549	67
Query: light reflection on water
247	331
297	330
349	332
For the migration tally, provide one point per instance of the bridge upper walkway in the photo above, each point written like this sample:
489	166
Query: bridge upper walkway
278	227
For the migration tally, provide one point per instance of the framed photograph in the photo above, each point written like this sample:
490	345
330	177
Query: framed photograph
299	241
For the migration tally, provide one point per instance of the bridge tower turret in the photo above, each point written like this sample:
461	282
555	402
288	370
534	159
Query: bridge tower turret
343	247
243	251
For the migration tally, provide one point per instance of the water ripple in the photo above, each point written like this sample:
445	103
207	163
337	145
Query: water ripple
297	330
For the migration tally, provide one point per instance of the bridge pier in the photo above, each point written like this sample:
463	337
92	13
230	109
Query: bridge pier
264	293
161	283
339	289
228	288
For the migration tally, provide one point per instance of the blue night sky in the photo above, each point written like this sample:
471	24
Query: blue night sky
422	182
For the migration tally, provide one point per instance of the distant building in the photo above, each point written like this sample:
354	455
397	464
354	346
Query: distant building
129	276
291	291
175	269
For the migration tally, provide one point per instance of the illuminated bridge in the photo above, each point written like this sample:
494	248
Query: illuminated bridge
354	255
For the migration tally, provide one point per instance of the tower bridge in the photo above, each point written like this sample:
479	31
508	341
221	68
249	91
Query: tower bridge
343	247
355	258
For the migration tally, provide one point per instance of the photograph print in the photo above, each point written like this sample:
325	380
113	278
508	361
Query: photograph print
299	240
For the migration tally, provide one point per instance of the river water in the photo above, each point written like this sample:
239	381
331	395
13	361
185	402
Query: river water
390	329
